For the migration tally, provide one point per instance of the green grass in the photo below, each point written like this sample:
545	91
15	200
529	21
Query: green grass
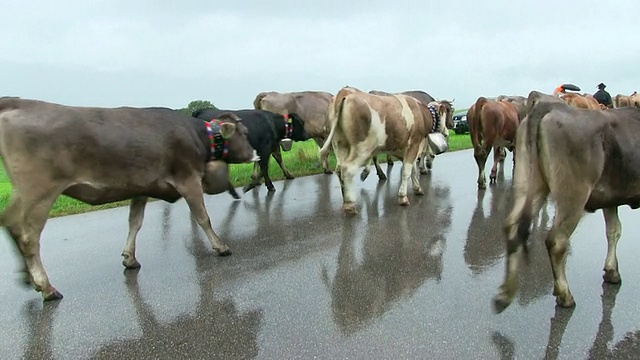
300	161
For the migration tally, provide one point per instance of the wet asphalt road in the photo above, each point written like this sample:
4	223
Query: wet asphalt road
304	282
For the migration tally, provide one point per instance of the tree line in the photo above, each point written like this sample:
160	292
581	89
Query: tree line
197	105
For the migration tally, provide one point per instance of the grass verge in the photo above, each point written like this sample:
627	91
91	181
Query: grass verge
302	160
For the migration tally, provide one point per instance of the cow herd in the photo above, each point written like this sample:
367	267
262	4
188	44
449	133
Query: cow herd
584	158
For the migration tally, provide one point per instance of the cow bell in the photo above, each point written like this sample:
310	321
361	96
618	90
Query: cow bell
438	143
286	144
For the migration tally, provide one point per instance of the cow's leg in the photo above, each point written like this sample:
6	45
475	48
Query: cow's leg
9	219
192	192
381	175
480	154
514	245
426	159
498	158
567	217
256	171
407	171
347	174
614	229
357	157
136	216
278	156
366	171
415	182
389	160
407	168
24	219
264	153
232	191
516	230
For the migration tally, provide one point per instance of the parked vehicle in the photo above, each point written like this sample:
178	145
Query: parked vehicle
460	125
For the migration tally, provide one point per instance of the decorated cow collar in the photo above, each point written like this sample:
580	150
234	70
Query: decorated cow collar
288	126
219	145
436	117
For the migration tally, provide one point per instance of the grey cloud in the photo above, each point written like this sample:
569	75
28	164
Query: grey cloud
161	53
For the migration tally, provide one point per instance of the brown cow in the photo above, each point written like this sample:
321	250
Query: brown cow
104	155
425	161
310	105
492	125
585	101
585	160
364	125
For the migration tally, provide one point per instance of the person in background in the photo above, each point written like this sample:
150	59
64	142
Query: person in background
602	96
559	90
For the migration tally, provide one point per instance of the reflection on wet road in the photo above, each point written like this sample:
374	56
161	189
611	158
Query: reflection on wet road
304	281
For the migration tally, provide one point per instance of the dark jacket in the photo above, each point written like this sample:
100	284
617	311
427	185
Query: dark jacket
603	97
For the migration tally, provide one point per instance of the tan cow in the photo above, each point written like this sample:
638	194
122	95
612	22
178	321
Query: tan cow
585	101
310	105
634	99
626	100
364	125
425	161
585	160
104	155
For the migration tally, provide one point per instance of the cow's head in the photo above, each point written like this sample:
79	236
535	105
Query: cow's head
229	141
296	126
445	111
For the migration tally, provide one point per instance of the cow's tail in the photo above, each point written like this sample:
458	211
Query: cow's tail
257	102
473	119
335	113
533	174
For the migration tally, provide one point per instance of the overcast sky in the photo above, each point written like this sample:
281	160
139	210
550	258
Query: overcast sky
167	53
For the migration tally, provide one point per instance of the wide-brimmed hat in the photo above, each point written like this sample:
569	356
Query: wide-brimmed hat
601	86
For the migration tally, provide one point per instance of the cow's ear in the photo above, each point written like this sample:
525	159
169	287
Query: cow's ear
227	129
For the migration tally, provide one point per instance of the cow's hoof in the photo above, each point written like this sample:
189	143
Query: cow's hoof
271	189
328	172
52	296
424	171
482	186
289	177
349	209
225	252
403	200
500	303
382	177
612	276
565	301
419	192
131	265
234	194
363	175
